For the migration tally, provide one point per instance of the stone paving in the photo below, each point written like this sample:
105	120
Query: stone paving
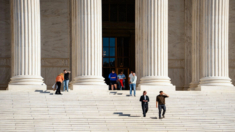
40	111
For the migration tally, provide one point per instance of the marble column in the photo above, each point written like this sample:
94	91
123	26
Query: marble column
87	43
215	23
139	39
196	43
26	45
155	43
188	44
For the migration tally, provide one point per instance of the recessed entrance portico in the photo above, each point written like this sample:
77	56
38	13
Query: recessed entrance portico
150	45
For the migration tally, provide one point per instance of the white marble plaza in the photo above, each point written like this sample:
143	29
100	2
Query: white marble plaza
183	47
112	111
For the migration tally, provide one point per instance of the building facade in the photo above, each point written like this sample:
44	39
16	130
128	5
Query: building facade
170	42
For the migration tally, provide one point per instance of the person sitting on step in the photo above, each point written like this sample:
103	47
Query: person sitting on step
113	80
121	80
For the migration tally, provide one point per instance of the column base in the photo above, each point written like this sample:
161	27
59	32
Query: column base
193	86
12	87
26	80
155	81
216	81
193	89
26	83
92	84
157	89
215	88
89	80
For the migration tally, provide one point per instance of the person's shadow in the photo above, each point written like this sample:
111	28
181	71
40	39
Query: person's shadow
121	114
114	93
43	92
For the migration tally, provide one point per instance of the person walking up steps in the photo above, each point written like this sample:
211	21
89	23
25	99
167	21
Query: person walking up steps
144	99
160	104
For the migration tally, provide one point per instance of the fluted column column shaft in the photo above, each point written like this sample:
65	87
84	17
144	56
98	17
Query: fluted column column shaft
139	39
155	42
215	43
26	42
196	42
87	41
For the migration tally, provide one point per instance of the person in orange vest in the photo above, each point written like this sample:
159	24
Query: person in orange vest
59	79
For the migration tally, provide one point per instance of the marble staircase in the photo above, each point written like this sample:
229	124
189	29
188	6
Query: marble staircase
84	111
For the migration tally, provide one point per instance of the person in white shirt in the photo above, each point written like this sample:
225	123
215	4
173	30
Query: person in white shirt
130	76
133	80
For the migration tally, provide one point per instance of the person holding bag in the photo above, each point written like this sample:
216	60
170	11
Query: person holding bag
59	80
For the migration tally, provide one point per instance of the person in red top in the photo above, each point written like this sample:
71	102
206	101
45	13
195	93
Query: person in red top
59	79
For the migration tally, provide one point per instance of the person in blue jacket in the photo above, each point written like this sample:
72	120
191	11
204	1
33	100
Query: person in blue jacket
113	79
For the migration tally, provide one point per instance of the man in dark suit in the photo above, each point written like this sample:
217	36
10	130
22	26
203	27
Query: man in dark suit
144	102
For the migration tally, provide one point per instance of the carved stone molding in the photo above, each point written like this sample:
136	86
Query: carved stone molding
55	62
5	62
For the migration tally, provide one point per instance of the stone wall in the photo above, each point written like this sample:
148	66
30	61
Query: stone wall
56	42
176	42
232	40
5	43
55	36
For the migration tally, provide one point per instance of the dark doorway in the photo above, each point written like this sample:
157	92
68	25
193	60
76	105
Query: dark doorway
116	56
118	26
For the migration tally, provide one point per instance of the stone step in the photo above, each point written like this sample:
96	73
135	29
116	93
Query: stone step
106	111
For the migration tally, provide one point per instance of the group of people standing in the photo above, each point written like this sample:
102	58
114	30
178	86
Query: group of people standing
62	78
120	80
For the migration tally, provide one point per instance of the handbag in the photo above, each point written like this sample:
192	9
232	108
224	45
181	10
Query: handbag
54	87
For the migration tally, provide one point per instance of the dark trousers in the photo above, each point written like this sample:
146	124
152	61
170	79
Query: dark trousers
160	107
145	109
58	89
